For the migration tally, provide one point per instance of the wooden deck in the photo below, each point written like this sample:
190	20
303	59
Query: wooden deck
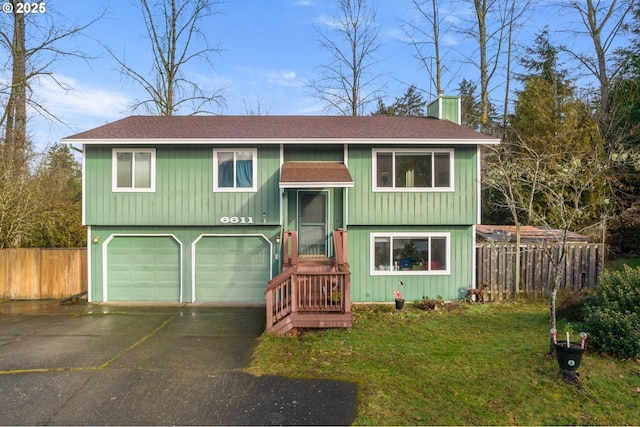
310	292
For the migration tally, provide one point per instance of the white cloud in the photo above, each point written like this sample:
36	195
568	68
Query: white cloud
71	106
283	78
66	97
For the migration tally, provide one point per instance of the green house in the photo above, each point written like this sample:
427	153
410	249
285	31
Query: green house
218	208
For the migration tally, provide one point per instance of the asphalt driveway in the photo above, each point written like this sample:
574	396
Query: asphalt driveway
178	364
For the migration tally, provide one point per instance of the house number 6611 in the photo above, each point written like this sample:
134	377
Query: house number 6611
237	220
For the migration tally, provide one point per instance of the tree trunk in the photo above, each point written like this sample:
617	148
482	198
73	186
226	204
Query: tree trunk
518	255
15	137
552	314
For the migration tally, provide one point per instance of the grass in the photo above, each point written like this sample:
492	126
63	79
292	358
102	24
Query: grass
616	264
480	365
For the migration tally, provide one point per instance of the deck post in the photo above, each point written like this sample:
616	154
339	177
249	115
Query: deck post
270	308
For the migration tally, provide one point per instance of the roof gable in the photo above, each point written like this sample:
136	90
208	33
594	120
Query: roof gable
196	128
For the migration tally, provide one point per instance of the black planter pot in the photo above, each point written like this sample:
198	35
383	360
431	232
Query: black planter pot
399	304
569	358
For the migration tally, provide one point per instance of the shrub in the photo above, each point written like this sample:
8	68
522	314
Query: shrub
612	313
571	306
427	303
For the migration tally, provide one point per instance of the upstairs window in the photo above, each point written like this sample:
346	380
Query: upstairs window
134	170
409	253
412	170
234	170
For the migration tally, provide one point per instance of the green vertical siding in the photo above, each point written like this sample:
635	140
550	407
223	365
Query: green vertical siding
366	287
429	207
314	153
184	190
445	108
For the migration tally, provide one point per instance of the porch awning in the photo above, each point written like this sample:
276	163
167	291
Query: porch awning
315	175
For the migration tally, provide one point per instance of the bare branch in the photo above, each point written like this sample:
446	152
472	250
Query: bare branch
346	83
172	29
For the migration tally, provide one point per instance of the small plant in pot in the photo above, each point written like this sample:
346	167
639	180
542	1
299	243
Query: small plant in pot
397	296
569	355
335	297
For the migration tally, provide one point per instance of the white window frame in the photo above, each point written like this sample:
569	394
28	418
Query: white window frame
394	151
376	271
234	189
133	188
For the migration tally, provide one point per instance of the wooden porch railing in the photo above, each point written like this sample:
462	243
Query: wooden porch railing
298	298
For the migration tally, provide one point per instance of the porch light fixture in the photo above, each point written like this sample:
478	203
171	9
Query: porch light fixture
278	239
96	239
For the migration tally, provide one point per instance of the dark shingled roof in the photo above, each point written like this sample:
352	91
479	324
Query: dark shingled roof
328	174
279	127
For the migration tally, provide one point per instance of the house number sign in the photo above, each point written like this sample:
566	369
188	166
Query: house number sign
237	220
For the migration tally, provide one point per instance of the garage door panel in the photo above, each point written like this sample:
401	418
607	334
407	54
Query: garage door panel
231	269
141	268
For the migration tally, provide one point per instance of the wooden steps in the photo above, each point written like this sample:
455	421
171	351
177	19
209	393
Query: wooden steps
313	320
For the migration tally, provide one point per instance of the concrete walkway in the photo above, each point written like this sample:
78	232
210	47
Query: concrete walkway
177	364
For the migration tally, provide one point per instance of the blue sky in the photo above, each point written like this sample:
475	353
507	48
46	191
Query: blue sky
269	50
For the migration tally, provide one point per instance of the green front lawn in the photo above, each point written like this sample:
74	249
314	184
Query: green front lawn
481	365
616	264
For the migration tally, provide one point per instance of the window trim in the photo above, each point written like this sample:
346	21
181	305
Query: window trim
133	188
394	151
234	189
392	235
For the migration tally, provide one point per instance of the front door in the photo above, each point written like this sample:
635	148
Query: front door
312	223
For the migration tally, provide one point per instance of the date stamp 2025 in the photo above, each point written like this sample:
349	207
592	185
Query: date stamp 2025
24	7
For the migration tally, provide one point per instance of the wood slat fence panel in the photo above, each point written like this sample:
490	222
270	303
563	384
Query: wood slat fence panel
496	266
33	273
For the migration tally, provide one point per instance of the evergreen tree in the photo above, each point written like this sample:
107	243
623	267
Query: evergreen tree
551	132
470	105
410	104
541	107
624	145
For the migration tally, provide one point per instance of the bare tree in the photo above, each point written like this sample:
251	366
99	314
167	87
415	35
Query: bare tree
486	67
603	23
512	18
426	41
492	28
564	183
173	28
15	117
348	82
31	42
261	107
18	204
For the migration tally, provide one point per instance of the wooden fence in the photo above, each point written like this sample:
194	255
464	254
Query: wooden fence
583	264
42	273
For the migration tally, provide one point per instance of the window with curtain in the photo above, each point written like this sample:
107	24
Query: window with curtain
409	253
234	170
134	170
412	170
